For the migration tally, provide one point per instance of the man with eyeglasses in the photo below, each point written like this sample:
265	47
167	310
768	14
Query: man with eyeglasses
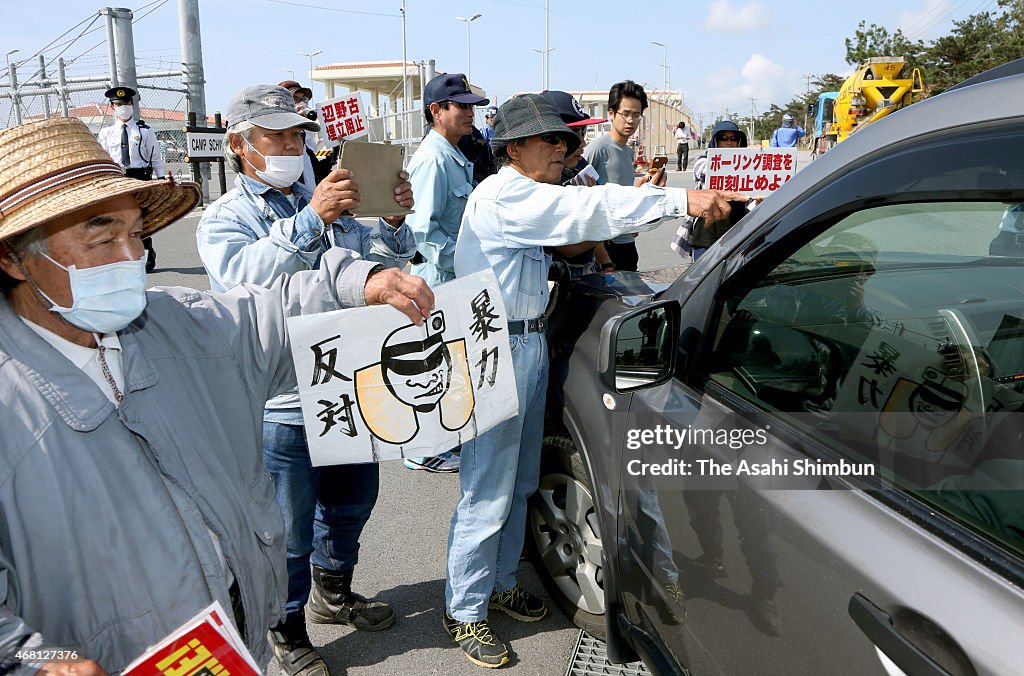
508	221
695	235
442	178
613	159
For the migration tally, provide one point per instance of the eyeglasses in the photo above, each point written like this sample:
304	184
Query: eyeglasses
630	117
727	138
553	139
461	106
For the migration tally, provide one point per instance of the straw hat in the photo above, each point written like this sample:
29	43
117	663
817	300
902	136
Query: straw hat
55	166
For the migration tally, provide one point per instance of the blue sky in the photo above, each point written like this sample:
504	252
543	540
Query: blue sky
720	53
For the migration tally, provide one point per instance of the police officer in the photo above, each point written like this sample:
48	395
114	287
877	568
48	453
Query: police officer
133	145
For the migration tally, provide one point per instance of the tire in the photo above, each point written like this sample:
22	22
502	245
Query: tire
565	539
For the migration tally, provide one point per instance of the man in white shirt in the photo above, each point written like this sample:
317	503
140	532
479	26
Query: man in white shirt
133	145
682	147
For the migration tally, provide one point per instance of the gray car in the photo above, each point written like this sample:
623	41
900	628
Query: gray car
803	453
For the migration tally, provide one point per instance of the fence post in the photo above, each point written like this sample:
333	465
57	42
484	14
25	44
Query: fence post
197	176
220	162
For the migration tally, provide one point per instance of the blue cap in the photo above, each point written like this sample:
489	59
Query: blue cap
451	87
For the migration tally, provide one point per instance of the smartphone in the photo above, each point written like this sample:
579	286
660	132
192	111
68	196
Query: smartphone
657	162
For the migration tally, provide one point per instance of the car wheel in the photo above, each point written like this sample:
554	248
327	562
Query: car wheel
565	538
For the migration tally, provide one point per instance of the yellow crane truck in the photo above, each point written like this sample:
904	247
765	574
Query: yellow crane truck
872	92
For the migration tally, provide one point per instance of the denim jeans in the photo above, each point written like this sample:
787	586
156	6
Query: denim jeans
325	508
500	469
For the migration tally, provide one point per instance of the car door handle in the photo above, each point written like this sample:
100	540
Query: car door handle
877	625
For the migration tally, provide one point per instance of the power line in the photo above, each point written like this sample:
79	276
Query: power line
334	9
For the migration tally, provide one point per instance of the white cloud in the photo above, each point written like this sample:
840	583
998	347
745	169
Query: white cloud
926	21
726	17
759	78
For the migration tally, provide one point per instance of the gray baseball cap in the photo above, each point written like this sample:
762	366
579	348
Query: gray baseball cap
266	106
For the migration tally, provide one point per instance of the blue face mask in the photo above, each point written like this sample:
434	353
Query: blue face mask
106	298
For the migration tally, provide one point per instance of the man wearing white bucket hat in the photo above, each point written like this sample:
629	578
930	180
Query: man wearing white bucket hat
132	488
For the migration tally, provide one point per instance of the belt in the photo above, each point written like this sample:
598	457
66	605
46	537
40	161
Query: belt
518	327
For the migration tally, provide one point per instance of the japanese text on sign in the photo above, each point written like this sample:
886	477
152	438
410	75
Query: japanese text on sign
750	170
373	386
343	119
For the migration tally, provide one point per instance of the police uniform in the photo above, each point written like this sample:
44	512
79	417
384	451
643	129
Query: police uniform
134	146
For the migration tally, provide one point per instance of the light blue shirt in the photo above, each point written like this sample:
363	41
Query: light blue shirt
510	218
442	179
254	234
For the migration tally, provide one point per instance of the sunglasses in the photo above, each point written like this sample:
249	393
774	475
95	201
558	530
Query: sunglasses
551	138
728	138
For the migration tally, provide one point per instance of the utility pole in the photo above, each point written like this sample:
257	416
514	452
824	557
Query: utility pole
753	112
547	44
807	100
191	48
119	24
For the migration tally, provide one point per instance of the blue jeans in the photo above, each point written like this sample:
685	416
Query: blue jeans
325	508
500	469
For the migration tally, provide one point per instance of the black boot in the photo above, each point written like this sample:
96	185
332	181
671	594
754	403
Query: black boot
293	649
147	242
332	601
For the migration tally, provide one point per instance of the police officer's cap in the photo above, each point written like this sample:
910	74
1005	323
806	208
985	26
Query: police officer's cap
120	94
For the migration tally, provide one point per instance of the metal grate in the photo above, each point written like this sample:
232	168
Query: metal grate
589	659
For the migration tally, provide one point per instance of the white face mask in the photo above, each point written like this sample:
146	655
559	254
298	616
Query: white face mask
105	298
123	113
281	171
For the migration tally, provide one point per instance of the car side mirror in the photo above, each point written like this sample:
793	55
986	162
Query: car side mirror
638	348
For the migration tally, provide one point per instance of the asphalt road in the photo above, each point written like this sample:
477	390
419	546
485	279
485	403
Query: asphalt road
403	545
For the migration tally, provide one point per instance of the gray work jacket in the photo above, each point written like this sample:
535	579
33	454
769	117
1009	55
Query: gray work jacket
105	512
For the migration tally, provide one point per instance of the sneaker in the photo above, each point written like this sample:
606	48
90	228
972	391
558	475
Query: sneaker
518	603
480	645
447	462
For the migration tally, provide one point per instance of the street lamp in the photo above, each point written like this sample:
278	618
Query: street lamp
665	62
543	66
15	99
291	73
469	43
311	55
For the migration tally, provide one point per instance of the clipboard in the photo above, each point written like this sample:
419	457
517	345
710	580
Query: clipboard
376	167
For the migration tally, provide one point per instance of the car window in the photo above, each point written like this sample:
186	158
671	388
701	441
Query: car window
897	336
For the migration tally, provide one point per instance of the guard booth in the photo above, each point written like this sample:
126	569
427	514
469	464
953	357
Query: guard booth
389	120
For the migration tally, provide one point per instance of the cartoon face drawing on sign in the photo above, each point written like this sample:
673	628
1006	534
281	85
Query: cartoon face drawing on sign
417	370
419	373
935	406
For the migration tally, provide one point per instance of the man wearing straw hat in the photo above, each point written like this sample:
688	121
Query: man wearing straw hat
132	488
508	221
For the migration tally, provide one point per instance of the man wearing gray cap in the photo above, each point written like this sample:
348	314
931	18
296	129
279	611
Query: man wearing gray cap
509	219
270	225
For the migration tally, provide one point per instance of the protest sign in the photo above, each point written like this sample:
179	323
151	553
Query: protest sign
757	171
343	119
373	386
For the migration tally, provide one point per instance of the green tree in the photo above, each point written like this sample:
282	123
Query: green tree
876	40
970	48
